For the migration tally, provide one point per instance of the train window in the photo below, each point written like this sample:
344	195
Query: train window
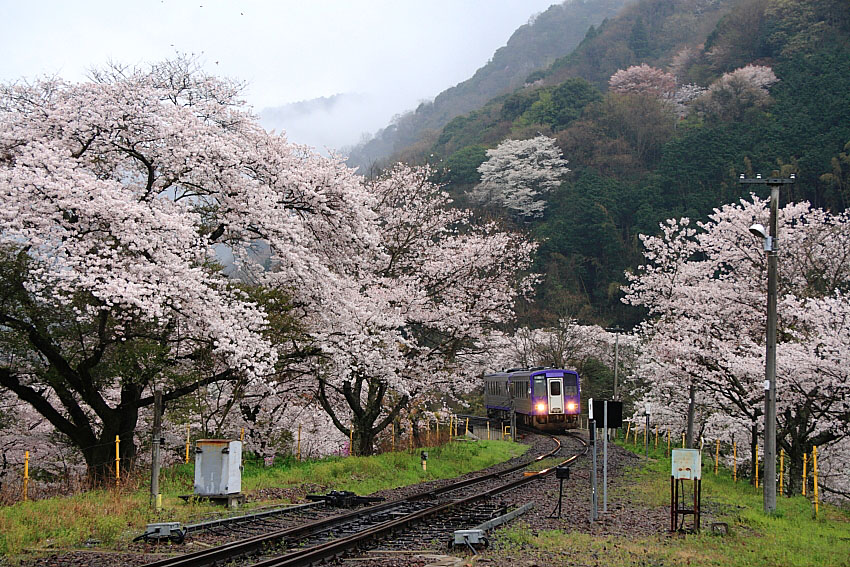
570	390
539	386
555	388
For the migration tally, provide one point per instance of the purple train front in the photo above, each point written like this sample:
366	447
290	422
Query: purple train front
544	398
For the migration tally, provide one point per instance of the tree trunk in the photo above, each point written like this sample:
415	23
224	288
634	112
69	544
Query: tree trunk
795	469
364	415
100	459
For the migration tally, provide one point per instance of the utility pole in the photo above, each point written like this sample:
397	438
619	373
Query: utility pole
691	413
616	363
771	247
616	330
157	434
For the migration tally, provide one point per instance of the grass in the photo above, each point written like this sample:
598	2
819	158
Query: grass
113	518
791	537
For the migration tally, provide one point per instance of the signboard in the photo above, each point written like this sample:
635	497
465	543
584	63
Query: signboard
596	410
687	464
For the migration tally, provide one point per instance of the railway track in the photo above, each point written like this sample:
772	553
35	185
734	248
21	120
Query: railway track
321	539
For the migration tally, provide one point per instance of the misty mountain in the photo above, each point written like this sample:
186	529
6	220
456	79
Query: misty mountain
330	122
554	33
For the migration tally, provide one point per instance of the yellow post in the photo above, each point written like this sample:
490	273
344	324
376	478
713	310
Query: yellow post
488	430
805	463
298	447
628	429
451	424
242	435
757	466
117	462
656	437
351	439
410	436
781	468
815	473
26	473
438	430
683	440
701	443
636	436
716	456
735	461
668	442
187	443
467	427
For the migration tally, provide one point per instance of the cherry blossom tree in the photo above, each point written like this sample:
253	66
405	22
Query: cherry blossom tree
423	306
120	196
643	80
704	287
518	173
733	94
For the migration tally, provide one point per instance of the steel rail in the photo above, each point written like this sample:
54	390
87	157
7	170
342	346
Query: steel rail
253	544
309	556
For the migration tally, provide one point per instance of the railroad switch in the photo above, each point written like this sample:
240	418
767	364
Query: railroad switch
163	531
475	536
343	499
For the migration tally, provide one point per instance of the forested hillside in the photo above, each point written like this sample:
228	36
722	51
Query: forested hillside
550	35
755	86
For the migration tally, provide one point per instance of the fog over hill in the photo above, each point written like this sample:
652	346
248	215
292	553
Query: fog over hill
329	123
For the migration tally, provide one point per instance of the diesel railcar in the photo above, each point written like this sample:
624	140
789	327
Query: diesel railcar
544	398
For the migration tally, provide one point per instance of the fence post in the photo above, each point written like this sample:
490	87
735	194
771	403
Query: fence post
716	457
117	462
656	437
298	446
410	436
488	430
805	479
351	439
668	442
781	468
26	473
467	427
757	466
187	443
815	474
437	432
242	435
628	429
683	440
392	436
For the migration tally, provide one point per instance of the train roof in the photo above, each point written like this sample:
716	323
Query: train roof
524	372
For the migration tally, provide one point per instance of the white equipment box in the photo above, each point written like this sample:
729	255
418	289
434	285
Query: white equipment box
218	467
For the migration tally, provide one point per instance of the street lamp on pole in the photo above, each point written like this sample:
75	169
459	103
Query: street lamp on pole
771	247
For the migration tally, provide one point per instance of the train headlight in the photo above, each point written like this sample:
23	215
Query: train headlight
541	408
571	406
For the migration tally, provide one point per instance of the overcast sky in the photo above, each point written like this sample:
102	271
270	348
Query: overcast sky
397	52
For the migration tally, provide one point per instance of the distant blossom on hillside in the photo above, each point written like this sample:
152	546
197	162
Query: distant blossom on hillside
518	173
643	79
